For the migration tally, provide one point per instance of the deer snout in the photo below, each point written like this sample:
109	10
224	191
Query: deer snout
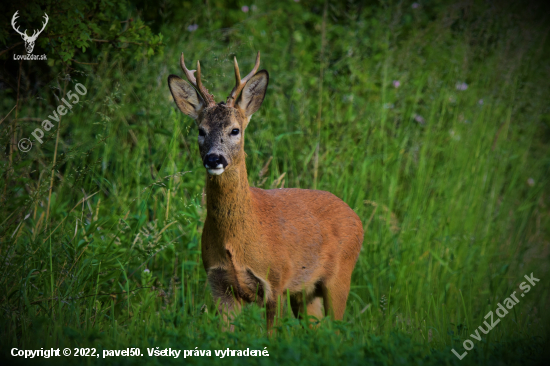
215	164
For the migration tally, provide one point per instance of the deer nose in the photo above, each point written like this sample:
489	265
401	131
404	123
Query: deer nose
214	161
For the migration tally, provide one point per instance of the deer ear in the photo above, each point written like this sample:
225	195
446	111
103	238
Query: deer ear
186	97
253	93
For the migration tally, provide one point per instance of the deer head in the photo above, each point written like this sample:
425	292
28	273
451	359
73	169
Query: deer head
221	126
29	41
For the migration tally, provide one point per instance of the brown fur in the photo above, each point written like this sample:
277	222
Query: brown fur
258	244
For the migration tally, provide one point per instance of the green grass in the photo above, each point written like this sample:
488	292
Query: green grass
451	186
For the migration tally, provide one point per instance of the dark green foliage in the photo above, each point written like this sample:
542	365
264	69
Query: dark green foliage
74	25
77	31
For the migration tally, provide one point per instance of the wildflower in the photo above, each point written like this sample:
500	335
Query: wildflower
454	135
418	118
396	84
531	182
480	102
461	86
383	303
415	5
146	270
192	27
347	98
244	9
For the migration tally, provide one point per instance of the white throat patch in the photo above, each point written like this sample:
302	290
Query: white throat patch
217	171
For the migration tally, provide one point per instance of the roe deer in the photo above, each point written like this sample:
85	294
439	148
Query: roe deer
260	244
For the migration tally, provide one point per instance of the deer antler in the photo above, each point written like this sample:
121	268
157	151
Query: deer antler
197	83
15	16
241	83
24	34
35	35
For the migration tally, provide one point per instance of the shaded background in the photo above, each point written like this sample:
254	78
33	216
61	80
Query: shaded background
430	119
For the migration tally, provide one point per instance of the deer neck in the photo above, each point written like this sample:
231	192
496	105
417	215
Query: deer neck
229	202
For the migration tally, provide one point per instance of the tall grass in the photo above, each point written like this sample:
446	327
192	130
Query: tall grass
431	122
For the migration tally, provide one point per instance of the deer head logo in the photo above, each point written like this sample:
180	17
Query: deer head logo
29	41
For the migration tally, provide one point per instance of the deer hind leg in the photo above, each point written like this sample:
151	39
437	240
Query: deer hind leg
314	306
335	295
229	303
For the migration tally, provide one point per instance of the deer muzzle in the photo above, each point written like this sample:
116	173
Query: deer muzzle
215	164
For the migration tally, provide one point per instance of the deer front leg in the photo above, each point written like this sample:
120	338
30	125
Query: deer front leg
229	307
270	310
229	303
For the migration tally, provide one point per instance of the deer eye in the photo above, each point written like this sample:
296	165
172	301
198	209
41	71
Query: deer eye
235	132
201	132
